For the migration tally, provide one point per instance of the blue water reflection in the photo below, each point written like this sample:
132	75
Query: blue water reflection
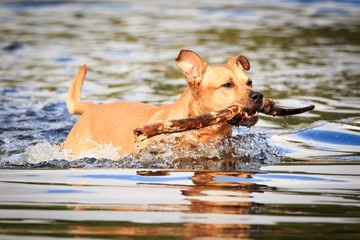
63	191
22	5
332	137
270	177
136	178
324	140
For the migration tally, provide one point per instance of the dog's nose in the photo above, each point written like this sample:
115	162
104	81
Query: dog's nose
256	96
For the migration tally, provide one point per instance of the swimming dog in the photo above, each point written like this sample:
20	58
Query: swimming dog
209	88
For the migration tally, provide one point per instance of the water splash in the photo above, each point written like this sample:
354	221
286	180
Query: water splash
240	152
248	151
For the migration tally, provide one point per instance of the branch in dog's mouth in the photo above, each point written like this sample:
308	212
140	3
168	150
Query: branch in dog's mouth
184	124
270	109
233	115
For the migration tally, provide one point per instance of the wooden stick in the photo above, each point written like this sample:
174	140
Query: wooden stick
270	109
184	124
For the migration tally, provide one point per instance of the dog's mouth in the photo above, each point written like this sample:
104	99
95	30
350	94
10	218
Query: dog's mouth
249	119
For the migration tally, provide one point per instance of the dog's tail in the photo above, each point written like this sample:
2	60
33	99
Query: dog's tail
73	103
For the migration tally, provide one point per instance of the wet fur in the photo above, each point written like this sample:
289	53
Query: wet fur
209	89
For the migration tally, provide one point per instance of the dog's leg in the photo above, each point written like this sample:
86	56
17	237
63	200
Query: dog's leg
73	103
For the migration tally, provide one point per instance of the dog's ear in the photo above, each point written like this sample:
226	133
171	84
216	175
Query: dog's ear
192	65
244	62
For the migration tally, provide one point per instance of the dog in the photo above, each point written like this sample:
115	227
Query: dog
209	88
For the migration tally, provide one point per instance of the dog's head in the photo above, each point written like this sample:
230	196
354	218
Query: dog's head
218	87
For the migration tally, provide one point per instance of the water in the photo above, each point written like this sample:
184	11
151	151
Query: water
278	202
287	177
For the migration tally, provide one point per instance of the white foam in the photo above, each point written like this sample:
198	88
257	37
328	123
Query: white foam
247	151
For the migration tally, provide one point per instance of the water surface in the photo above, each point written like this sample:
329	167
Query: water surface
287	177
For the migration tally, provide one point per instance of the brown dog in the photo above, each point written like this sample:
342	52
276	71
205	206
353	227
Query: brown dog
209	89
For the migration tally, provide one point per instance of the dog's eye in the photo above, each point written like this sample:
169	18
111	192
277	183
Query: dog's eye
228	85
249	83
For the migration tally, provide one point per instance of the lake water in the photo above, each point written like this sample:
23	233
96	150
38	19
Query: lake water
287	177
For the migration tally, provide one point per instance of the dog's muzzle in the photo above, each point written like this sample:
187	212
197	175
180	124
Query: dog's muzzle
250	118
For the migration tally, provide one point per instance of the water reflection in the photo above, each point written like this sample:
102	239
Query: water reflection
163	204
339	140
196	211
